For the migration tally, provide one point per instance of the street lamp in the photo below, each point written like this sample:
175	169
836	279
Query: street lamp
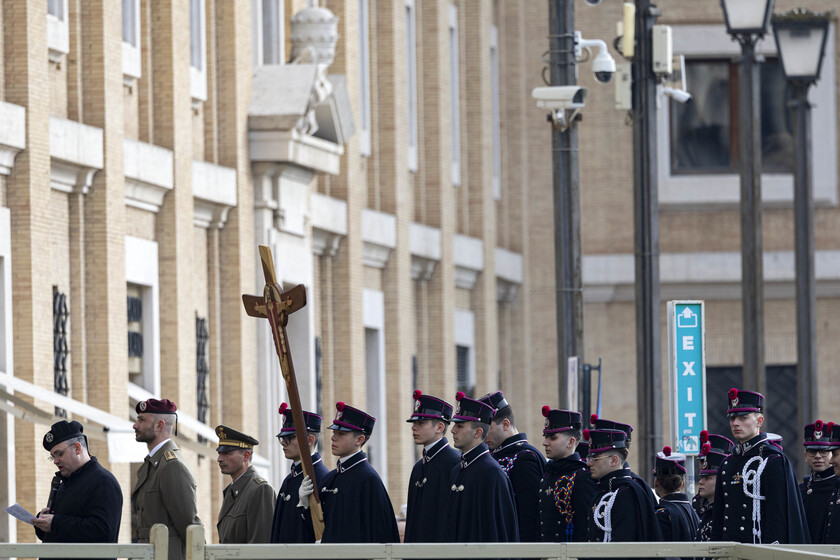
800	39
747	22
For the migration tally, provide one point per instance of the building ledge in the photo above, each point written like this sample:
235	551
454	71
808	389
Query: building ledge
214	192
76	154
508	274
469	260
329	224
12	134
379	234
426	250
148	173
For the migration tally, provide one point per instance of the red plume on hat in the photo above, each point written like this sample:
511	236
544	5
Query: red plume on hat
459	395
585	434
282	409
666	451
818	425
340	406
706	448
829	427
417	393
704	436
593	418
545	410
733	393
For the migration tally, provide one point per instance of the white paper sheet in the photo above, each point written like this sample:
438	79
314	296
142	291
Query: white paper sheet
18	512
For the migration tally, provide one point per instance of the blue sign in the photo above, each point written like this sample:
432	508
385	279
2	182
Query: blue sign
687	356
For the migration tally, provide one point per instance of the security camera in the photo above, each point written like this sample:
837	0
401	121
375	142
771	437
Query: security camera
678	95
559	97
593	2
603	66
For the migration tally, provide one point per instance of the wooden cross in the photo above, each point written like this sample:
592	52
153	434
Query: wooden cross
276	306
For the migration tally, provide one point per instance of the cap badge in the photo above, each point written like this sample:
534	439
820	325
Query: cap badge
704	463
734	401
817	435
49	437
338	415
458	410
416	405
547	422
222	435
143	405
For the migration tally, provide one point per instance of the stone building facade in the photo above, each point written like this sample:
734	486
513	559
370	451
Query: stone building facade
404	178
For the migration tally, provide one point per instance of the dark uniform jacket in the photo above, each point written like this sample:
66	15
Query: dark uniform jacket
165	493
816	494
291	524
779	515
429	482
566	494
356	505
246	512
831	535
705	511
678	521
524	465
480	501
87	507
622	511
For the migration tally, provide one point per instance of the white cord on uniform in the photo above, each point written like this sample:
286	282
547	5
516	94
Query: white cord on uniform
604	511
752	489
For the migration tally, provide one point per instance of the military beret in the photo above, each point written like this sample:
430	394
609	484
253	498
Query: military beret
62	431
155	406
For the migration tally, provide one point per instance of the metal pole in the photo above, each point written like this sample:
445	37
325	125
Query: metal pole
752	276
803	204
566	187
646	241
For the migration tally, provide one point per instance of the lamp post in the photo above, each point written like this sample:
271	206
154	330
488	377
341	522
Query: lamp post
747	22
800	38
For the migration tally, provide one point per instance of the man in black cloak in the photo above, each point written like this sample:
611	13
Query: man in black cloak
831	535
677	519
756	499
521	461
602	424
714	449
566	488
291	524
623	510
356	505
817	488
480	504
87	503
429	480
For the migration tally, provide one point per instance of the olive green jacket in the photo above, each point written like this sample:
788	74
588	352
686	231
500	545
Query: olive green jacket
165	493
247	510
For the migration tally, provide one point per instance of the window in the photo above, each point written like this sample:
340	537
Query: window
364	77
411	86
495	108
131	41
693	172
705	134
134	308
267	38
58	30
143	316
462	360
373	305
455	94
198	52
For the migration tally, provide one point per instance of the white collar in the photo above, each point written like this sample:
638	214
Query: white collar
345	459
157	447
429	447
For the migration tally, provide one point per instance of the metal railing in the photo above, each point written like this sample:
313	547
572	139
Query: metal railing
158	549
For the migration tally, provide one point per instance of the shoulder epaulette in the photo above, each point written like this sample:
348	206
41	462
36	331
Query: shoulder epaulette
259	480
170	455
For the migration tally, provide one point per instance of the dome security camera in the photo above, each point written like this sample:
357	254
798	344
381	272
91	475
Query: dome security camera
593	2
603	67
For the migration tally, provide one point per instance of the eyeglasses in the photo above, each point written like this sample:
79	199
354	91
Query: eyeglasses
286	440
53	457
592	459
815	452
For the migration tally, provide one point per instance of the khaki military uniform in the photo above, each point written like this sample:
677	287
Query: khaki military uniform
247	510
165	493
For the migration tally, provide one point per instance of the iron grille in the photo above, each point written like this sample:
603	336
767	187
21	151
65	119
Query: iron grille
463	371
135	344
202	370
135	309
60	351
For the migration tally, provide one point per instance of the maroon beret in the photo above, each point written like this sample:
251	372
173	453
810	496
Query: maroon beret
155	406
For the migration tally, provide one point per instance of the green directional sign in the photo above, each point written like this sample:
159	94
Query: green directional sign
687	365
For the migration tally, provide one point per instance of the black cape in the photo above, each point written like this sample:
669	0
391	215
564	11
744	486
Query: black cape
87	507
356	505
678	521
566	494
831	535
480	504
781	510
705	511
524	465
429	482
631	517
816	494
291	524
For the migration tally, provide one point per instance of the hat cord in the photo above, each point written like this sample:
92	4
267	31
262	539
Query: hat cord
752	489
604	511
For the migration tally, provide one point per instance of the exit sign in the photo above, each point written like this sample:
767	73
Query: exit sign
687	367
